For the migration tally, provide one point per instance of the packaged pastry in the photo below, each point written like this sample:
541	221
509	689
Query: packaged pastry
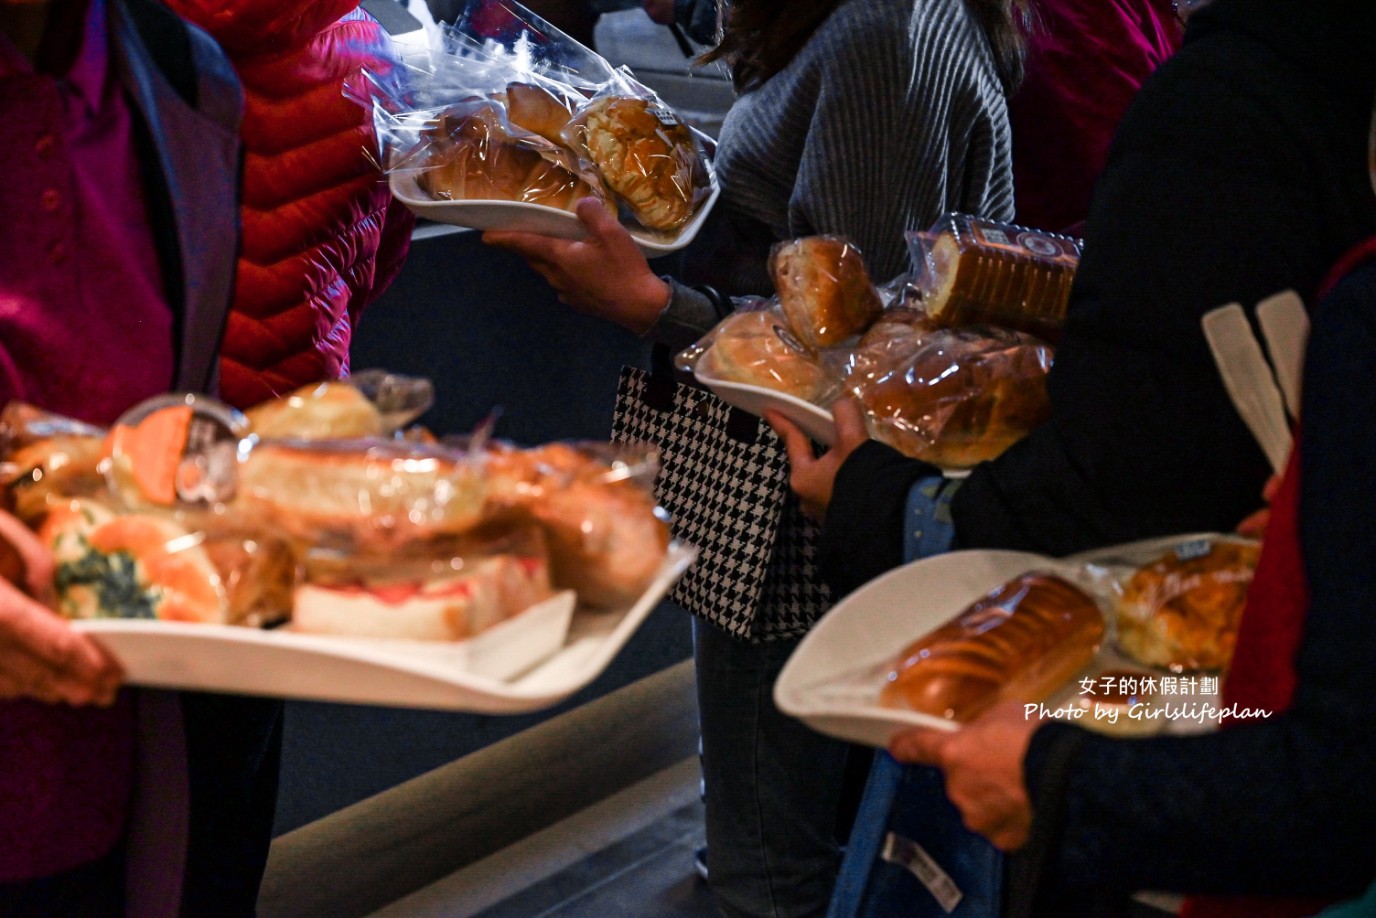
646	155
372	403
955	397
46	458
1180	611
1019	643
824	289
757	347
980	272
472	153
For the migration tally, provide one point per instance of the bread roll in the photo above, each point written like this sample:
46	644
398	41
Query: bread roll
647	156
473	157
1181	611
321	411
538	110
359	495
983	273
824	289
1019	643
961	397
758	349
46	472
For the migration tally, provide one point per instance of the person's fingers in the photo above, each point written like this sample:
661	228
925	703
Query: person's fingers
37	561
921	746
796	443
600	224
1254	526
1268	493
850	421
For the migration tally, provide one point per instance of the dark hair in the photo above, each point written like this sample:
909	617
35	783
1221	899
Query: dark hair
760	37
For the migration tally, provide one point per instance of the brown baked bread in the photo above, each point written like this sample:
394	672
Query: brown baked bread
647	156
960	398
984	273
538	110
1181	611
824	289
320	411
758	349
358	495
471	156
1019	643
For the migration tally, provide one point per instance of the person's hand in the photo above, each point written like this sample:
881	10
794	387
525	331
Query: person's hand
603	275
812	477
661	11
982	763
41	656
1254	526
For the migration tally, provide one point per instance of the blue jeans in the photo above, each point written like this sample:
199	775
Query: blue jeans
773	786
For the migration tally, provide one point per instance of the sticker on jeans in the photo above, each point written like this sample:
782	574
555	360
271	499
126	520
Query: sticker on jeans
912	857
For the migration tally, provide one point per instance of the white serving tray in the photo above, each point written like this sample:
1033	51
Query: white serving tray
832	680
814	420
537	218
530	662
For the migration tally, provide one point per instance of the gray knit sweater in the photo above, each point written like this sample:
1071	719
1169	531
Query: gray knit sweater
891	115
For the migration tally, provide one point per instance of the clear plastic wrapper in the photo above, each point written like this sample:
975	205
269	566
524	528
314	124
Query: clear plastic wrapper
607	538
980	272
1179	608
1019	643
512	110
756	346
824	289
371	403
450	590
45	458
954	397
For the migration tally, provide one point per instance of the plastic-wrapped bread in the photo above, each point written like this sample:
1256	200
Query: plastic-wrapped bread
978	272
757	348
1019	643
1181	610
824	289
536	109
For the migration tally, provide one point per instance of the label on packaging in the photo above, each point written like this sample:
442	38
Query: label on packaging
915	859
1024	242
173	452
1188	551
665	115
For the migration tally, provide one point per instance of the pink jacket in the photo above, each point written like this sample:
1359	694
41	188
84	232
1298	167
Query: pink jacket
322	237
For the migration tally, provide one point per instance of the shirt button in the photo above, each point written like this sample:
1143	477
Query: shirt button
57	254
50	200
44	145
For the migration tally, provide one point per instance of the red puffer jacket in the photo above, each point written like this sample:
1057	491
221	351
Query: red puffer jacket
322	237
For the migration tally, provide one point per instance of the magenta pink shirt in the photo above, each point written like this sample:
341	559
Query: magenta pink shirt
85	330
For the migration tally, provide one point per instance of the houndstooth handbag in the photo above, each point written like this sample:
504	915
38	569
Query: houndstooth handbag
724	482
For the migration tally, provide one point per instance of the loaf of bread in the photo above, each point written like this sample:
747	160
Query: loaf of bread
359	495
978	272
647	156
470	155
1181	610
1019	643
824	289
757	348
333	410
958	397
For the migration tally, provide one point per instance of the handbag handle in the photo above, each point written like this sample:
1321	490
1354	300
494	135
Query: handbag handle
661	390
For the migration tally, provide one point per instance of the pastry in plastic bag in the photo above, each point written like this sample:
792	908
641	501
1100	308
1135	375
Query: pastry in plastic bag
979	272
534	108
371	403
960	398
1019	643
824	290
647	156
1181	610
757	348
471	155
46	458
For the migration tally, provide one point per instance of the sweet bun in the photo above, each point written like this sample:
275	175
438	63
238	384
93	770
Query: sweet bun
471	156
647	156
1019	643
1181	610
321	411
824	289
47	471
756	348
536	109
960	398
358	495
